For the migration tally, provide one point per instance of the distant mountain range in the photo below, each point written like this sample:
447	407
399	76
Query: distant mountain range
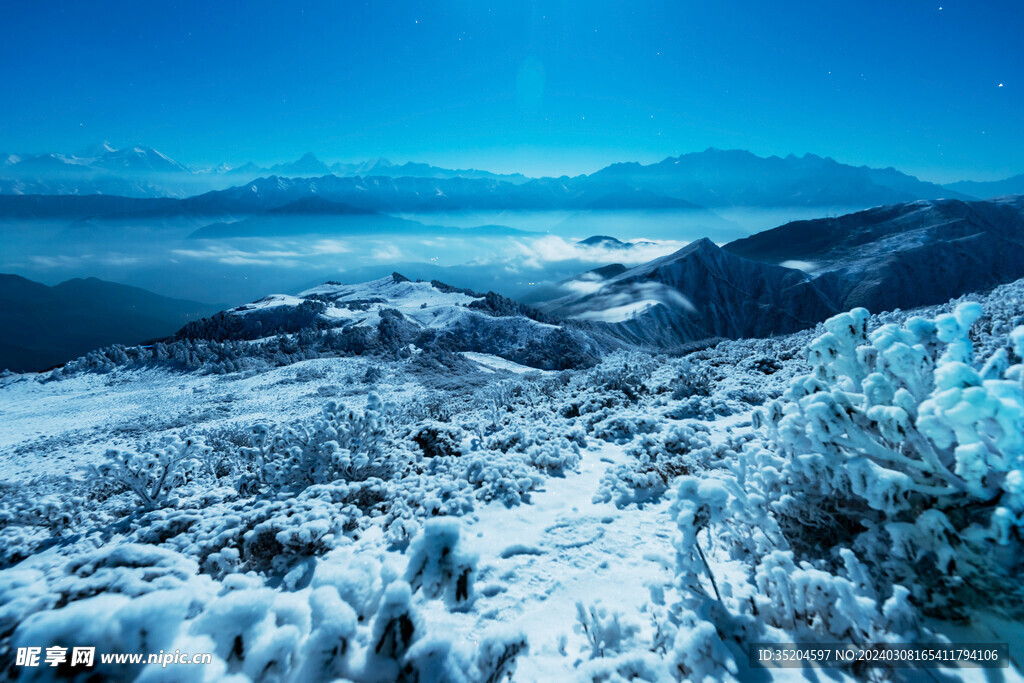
376	194
45	326
988	190
718	178
145	172
310	166
315	215
775	282
712	179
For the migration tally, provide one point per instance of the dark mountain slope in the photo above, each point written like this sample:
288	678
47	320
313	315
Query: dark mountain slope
697	292
903	255
45	326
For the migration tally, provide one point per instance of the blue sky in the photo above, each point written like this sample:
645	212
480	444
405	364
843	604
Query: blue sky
541	87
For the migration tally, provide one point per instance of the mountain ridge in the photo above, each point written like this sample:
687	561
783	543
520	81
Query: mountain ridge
49	325
711	178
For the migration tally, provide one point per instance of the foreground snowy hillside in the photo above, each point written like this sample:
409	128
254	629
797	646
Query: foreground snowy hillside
414	502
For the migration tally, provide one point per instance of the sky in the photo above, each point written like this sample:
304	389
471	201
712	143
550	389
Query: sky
934	88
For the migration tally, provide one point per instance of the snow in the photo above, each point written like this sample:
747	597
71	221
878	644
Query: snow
498	363
618	314
454	524
272	301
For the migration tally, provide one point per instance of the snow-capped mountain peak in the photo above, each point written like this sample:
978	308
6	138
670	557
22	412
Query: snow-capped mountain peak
139	160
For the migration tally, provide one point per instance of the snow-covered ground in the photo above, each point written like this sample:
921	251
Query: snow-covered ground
377	518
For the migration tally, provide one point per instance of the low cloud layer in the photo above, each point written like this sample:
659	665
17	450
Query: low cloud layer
551	248
621	301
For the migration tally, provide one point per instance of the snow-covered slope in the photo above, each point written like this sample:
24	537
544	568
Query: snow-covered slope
394	313
365	518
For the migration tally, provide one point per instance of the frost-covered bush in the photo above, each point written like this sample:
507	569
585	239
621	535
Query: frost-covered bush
274	535
656	461
902	445
503	477
342	445
606	631
622	428
522	435
695	408
153	474
497	400
550	458
811	602
625	372
691	381
352	621
436	439
440	565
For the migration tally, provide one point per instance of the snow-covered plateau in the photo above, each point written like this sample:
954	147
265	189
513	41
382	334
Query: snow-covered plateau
401	481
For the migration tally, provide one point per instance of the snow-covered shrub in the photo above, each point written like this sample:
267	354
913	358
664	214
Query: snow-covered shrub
326	651
270	535
812	602
537	430
122	598
900	444
698	408
698	504
657	459
622	428
440	490
440	566
395	629
496	655
109	622
401	648
550	458
691	381
18	542
51	513
625	372
153	474
290	531
436	439
698	652
605	631
633	666
497	400
358	578
353	621
506	478
373	374
342	445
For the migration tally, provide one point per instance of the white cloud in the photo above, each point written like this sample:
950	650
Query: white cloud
619	302
805	266
387	253
66	261
552	248
330	247
239	257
